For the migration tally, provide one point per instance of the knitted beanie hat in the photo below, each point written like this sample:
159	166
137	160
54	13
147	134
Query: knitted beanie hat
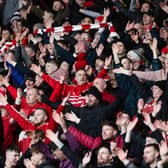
156	135
136	55
93	91
81	61
160	84
99	18
15	16
165	50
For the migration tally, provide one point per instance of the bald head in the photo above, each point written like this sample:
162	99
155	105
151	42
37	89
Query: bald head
100	84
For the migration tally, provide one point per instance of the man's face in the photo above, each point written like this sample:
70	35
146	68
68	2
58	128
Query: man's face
164	33
59	155
121	48
39	117
29	84
140	29
91	100
122	119
80	47
103	156
156	91
87	20
145	7
125	63
37	158
100	84
29	52
150	155
147	19
12	157
50	68
107	132
57	5
99	64
32	96
46	16
81	77
5	34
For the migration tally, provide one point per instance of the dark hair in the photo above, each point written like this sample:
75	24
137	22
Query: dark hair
155	146
36	149
13	148
103	145
40	133
31	46
110	123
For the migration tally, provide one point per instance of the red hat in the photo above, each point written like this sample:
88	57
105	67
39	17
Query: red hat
165	50
113	32
81	61
99	18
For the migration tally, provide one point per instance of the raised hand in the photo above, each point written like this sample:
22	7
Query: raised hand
19	92
147	118
36	69
86	159
72	117
59	119
122	155
106	12
132	124
163	149
5	80
156	109
140	105
129	25
153	44
99	50
3	100
65	100
28	163
51	135
26	31
108	61
88	70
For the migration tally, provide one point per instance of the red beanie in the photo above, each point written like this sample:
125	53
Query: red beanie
81	61
165	50
99	18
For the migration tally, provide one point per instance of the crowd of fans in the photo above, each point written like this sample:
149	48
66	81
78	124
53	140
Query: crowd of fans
93	98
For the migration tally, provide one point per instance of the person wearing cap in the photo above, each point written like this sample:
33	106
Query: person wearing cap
136	56
95	111
158	90
154	137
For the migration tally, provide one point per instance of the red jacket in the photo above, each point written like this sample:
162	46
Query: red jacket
8	131
108	97
64	89
85	140
27	108
27	125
